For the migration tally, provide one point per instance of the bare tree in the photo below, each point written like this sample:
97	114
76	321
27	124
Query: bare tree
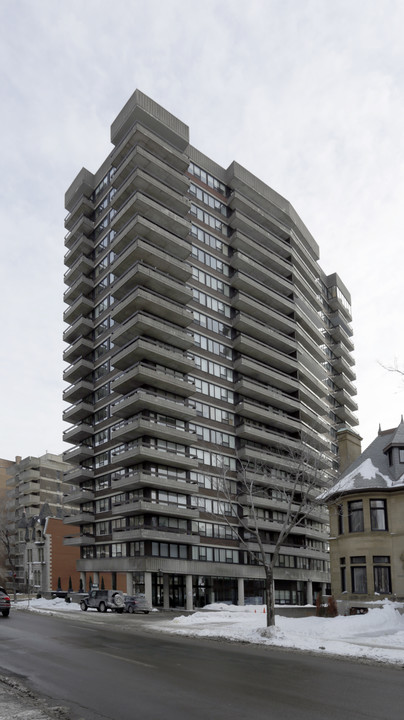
7	556
297	498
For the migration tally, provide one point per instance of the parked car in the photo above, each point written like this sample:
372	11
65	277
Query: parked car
136	604
4	603
103	600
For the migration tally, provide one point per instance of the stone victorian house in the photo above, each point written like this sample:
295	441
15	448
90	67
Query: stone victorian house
367	522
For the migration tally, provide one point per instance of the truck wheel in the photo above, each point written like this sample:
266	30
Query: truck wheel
83	605
102	607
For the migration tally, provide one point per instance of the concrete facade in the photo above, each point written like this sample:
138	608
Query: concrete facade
35	489
201	333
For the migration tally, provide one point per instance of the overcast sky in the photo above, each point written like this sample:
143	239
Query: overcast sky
306	94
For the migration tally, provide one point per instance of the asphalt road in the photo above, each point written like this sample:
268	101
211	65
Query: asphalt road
120	668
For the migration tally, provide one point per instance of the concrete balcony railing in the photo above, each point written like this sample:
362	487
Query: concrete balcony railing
139	180
159	377
141	158
80	368
152	302
83	285
158	235
273	318
155	144
141	250
284	362
252	388
79	432
147	400
78	412
266	374
149	278
263	332
81	246
78	349
143	323
158	352
78	391
261	412
143	452
139	203
79	328
81	306
137	427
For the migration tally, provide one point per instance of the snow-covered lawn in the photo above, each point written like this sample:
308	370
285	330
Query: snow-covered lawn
377	636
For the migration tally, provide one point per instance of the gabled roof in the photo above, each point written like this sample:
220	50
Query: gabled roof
371	470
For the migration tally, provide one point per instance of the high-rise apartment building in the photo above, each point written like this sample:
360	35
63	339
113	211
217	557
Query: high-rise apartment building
35	489
201	332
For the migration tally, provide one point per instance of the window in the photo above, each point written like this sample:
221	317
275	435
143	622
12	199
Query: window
359	581
401	455
378	515
343	574
382	574
340	511
355	510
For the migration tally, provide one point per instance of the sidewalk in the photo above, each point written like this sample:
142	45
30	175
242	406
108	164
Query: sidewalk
19	703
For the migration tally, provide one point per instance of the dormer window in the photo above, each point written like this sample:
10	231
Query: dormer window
401	455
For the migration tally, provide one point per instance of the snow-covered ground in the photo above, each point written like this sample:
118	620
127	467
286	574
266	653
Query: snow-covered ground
377	636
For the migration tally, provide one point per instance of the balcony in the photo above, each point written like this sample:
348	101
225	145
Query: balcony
136	427
151	279
258	310
140	227
82	286
251	431
244	344
142	452
79	432
257	232
345	415
340	365
279	279
28	488
83	206
154	144
153	351
140	204
81	518
78	476
264	373
139	157
263	293
146	506
82	266
82	306
141	479
344	398
142	323
78	391
80	368
342	381
267	414
153	303
82	245
339	335
271	257
153	256
78	497
159	377
140	181
79	348
145	400
313	399
78	540
78	454
78	412
262	331
82	226
29	475
81	327
262	392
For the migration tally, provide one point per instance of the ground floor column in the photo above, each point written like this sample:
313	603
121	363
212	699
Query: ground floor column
188	587
83	587
309	592
166	591
148	587
96	579
129	583
240	597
